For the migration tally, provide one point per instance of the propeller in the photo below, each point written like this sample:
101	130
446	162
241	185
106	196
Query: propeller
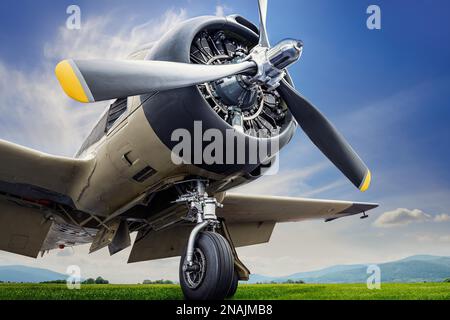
316	126
326	137
263	38
97	80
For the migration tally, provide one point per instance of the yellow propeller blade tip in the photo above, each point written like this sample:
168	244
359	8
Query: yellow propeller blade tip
70	82
366	183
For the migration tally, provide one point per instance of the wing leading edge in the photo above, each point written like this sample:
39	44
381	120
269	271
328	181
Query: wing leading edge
31	174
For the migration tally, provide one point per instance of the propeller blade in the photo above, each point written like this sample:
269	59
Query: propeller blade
99	80
325	136
263	38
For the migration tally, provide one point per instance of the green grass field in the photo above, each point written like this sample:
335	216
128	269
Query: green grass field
428	291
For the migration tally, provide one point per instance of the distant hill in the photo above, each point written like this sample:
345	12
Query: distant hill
28	274
418	268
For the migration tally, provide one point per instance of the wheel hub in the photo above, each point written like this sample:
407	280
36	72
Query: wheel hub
195	274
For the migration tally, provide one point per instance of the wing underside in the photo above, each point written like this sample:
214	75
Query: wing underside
23	230
252	208
32	184
250	220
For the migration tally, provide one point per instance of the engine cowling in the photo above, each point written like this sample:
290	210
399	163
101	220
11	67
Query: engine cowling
263	115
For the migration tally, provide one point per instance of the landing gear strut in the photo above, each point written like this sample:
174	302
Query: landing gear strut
207	267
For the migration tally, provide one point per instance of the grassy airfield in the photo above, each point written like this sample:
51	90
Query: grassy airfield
389	291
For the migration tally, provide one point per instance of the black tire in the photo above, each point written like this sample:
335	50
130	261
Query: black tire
214	281
234	285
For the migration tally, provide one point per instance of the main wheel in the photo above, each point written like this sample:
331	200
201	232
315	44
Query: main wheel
211	275
234	285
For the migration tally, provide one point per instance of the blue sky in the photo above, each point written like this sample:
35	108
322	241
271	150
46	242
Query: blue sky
386	90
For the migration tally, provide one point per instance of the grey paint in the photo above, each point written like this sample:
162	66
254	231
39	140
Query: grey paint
80	78
110	79
324	135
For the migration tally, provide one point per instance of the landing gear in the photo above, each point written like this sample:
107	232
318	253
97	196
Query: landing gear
211	275
207	268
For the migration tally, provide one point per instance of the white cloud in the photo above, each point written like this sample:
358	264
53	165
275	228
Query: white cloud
325	188
222	10
432	238
400	217
283	183
35	111
443	217
94	39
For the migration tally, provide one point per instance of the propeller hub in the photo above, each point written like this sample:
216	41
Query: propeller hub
233	91
285	53
271	63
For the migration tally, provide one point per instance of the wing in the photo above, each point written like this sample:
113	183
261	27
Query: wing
249	219
30	183
239	208
30	174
